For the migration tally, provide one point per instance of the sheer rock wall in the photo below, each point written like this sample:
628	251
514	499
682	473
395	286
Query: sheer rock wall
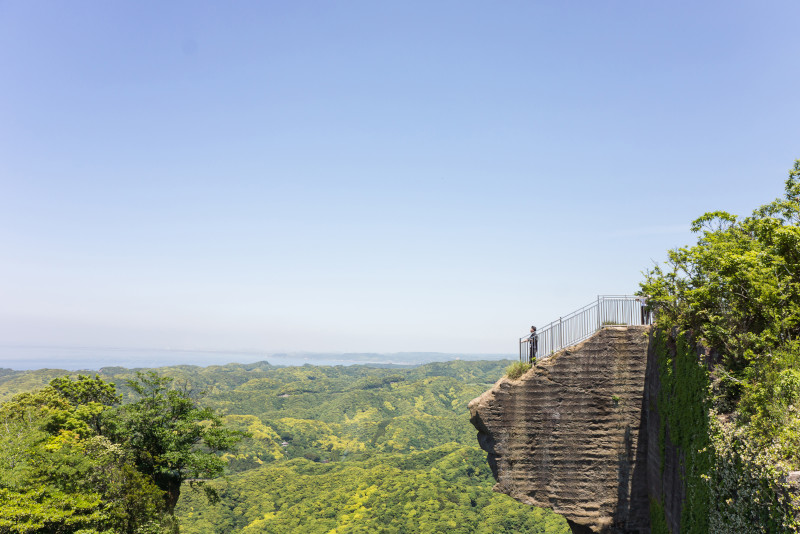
571	434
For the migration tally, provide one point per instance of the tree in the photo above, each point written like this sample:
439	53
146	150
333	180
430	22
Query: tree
739	286
171	437
90	398
75	461
58	475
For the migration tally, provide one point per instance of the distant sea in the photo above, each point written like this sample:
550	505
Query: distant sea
24	358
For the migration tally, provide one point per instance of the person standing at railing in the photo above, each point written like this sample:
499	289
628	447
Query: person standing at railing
645	312
533	345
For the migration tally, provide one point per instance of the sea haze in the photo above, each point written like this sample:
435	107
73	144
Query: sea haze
24	358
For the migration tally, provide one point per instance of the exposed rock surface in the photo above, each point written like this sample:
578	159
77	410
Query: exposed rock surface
569	434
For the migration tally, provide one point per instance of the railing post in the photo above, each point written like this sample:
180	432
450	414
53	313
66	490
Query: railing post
599	315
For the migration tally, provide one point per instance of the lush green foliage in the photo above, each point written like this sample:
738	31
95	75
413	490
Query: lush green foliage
170	436
77	462
747	488
352	449
13	383
58	475
443	489
343	449
736	292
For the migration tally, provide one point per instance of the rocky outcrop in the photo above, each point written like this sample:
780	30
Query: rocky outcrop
570	434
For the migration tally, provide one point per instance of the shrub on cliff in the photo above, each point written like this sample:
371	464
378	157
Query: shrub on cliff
517	369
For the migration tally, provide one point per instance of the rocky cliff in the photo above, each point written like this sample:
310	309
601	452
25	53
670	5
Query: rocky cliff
570	434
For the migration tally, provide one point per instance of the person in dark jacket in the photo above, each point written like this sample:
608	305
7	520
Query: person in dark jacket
533	345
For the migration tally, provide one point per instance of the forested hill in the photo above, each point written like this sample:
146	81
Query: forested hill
218	378
341	449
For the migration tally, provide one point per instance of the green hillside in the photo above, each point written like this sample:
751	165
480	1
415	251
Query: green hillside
442	489
340	449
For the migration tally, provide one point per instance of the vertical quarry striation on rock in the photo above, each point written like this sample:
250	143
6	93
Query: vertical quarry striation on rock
569	434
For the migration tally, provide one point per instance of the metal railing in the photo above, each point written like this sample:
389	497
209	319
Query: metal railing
607	310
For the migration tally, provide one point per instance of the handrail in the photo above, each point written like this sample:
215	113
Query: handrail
571	329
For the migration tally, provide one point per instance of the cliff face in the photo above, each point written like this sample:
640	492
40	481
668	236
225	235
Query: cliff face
570	434
666	462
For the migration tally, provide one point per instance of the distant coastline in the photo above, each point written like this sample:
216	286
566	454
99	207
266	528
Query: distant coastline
26	357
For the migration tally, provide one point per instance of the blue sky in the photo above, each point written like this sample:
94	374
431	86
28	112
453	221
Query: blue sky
369	176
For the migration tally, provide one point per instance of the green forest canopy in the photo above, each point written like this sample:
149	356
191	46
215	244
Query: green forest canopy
338	448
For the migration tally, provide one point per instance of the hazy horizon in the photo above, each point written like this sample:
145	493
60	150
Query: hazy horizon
29	358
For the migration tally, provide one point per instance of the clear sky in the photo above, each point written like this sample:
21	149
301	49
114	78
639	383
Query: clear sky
369	176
